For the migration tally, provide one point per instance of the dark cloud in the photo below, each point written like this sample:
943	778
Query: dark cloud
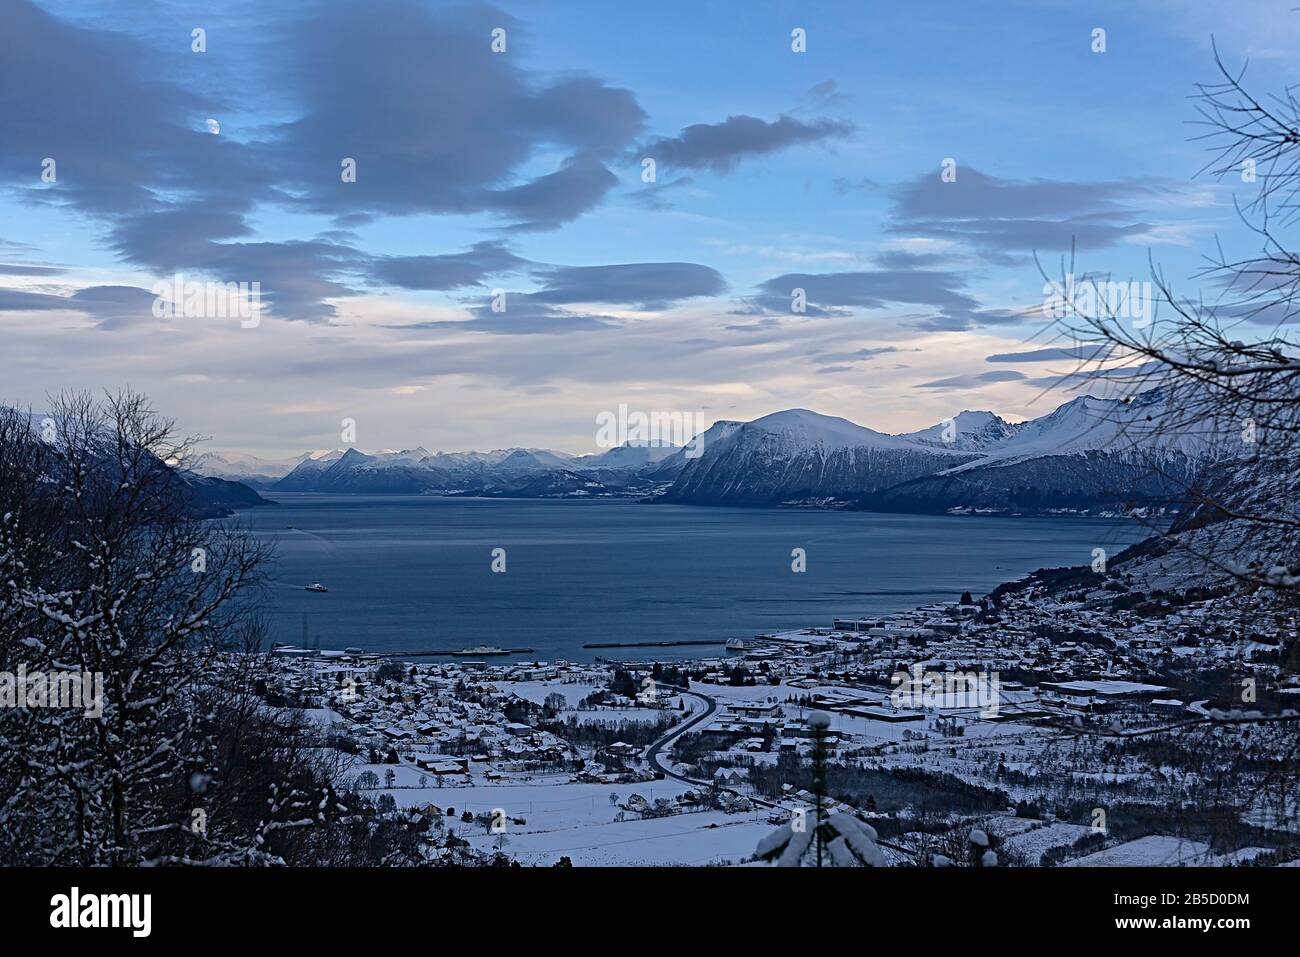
973	381
647	286
999	216
435	121
520	317
835	294
92	102
21	269
556	198
296	276
899	259
977	319
111	306
1075	353
449	270
858	355
720	146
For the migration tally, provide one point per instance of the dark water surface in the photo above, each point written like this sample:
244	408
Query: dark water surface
412	573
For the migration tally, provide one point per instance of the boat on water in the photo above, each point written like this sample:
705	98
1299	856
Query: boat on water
316	586
479	650
737	644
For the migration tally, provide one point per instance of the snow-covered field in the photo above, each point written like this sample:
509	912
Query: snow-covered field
705	837
1154	850
580	821
1034	842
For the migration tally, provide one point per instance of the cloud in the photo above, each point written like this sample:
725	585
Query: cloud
296	276
720	146
22	269
437	122
834	294
449	270
521	317
556	198
654	196
367	84
1086	378
646	286
824	95
974	381
111	306
977	319
1076	353
858	355
1001	216
641	286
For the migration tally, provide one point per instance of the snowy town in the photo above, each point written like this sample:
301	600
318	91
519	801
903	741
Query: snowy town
1036	724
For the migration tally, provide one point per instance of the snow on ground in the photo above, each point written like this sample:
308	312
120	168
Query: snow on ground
1154	850
574	692
536	691
546	801
579	821
704	837
1035	841
325	717
615	716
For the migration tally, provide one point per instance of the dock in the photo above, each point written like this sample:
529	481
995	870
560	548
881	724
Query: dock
458	653
652	644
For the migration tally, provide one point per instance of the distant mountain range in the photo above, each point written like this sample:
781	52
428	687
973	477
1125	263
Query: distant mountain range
1089	455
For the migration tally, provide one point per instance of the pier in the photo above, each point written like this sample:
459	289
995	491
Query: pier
651	644
459	653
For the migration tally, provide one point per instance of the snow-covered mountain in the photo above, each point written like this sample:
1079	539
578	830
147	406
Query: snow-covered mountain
1142	425
633	455
967	432
798	456
241	467
1087	455
526	472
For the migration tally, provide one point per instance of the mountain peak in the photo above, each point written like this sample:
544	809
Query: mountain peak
808	428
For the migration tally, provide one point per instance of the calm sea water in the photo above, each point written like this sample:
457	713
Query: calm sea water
410	573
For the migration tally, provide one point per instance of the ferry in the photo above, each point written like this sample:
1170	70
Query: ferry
737	644
316	586
479	650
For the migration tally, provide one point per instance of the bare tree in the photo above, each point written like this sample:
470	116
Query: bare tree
106	571
1222	364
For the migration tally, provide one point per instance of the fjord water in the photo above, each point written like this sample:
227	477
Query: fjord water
412	573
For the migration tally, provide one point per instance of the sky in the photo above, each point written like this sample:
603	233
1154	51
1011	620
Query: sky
500	155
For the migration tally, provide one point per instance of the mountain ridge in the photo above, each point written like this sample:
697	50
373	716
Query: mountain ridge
1087	455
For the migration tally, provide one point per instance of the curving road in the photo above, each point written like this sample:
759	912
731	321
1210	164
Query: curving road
711	705
652	752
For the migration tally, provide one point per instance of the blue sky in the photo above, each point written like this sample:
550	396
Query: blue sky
522	171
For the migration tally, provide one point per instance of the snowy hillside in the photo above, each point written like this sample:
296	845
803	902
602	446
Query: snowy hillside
968	432
801	456
1087	455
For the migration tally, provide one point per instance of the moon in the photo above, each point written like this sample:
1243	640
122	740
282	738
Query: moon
213	127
